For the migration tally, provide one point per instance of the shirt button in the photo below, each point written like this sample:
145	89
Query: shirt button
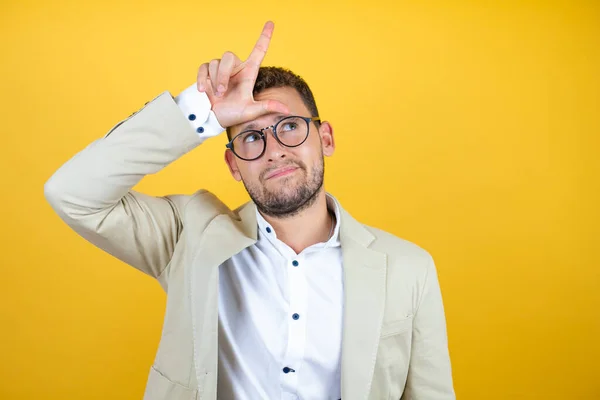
200	130
286	370
295	263
192	117
268	230
296	316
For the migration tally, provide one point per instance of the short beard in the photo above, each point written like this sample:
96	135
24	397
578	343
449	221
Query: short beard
283	205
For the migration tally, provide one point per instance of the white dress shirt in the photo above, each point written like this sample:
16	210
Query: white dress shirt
280	313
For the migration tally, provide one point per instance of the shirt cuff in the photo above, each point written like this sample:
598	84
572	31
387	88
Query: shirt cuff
197	109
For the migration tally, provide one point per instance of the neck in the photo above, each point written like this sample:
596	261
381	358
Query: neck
310	226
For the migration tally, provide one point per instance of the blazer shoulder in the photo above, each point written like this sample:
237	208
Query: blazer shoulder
394	244
400	251
203	204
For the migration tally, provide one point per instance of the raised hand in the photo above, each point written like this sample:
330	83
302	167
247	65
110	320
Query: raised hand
229	82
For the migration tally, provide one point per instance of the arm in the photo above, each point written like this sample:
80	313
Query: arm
92	191
430	373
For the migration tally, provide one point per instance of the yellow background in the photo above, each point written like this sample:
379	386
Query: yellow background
470	128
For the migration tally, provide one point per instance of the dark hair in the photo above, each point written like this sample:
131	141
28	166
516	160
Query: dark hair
277	77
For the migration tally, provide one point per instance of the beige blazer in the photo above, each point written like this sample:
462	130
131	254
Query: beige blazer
394	332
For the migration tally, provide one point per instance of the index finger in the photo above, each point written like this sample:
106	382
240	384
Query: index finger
261	46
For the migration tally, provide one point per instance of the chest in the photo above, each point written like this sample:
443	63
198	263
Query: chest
280	322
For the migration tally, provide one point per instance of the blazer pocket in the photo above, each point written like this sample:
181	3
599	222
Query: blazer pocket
395	327
395	347
160	387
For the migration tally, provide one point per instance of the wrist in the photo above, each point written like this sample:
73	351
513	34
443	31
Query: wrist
197	109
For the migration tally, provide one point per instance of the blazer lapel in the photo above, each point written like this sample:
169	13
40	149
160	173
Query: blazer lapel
225	236
364	303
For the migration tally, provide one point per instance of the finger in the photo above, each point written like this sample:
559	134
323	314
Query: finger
259	108
208	89
228	61
213	68
202	76
238	68
262	44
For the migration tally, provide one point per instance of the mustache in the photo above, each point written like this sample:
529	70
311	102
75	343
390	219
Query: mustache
298	164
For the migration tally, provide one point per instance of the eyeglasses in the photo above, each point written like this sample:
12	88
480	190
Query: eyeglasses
290	132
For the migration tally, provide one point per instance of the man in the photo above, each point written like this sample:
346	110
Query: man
286	297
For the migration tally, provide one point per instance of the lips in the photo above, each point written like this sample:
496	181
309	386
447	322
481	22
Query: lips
281	171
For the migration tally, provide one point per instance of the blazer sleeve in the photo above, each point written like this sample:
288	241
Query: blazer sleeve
430	372
92	192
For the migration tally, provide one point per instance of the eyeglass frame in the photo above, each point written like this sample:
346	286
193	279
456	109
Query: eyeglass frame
273	128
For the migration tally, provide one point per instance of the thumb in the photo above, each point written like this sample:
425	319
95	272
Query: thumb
259	108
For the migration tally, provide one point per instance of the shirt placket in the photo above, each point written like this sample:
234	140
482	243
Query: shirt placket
297	318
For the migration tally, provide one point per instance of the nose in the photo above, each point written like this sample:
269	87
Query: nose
274	150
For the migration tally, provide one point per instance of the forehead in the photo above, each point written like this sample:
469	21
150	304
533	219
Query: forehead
286	95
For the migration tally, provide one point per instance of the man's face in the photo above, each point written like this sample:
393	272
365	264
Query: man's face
284	180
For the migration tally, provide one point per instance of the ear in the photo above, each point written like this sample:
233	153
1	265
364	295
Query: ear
231	161
327	140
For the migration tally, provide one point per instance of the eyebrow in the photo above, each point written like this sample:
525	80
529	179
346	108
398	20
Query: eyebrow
254	125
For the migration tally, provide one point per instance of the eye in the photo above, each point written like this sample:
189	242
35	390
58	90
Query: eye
250	137
289	126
